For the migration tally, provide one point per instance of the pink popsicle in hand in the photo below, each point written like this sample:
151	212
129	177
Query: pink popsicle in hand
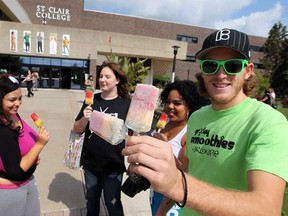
141	111
38	122
108	127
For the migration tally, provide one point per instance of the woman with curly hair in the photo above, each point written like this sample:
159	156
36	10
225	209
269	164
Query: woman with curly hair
179	99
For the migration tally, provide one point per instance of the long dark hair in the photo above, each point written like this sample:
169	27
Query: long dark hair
122	86
8	84
188	90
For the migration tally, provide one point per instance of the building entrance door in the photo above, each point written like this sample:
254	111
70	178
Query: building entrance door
66	78
55	77
45	76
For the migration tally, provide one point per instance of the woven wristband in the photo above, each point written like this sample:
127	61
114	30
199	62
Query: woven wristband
185	190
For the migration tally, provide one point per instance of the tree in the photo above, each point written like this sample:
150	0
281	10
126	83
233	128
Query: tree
136	71
263	81
279	79
160	80
273	48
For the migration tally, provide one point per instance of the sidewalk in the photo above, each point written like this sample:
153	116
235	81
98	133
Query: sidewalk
61	189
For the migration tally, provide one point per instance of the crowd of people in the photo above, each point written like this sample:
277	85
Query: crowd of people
220	153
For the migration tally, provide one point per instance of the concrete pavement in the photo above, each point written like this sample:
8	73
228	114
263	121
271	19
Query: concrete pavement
61	189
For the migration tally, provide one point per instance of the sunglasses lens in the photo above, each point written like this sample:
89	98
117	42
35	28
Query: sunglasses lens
233	66
209	67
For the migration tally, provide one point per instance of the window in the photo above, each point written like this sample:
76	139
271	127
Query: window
40	61
191	58
256	48
188	39
55	62
72	63
258	66
25	60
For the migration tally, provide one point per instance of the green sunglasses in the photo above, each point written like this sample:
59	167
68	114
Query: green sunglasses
231	66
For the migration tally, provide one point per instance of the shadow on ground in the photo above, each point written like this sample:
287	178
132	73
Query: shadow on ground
65	188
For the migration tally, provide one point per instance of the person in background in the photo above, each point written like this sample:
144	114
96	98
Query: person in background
40	43
13	41
180	99
89	84
35	75
66	45
27	42
267	98
29	83
102	162
20	147
236	147
272	93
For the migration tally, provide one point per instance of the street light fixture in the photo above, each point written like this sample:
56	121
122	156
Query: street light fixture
175	51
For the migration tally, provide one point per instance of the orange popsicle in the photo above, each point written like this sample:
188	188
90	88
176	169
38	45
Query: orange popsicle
89	97
162	122
38	122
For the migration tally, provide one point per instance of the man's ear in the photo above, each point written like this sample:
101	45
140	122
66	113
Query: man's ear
249	70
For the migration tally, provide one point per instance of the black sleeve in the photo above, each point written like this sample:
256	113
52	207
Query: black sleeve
11	156
80	114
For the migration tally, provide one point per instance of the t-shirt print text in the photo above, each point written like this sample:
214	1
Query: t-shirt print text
203	142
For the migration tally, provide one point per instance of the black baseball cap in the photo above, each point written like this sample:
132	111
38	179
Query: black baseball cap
229	38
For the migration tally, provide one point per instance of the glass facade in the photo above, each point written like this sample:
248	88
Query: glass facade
53	73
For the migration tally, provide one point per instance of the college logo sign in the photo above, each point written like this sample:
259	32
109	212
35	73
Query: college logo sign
53	13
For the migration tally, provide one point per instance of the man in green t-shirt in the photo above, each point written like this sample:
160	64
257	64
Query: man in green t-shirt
236	148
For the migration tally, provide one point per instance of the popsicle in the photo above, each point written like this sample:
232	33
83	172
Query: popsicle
108	127
162	122
38	122
140	114
89	97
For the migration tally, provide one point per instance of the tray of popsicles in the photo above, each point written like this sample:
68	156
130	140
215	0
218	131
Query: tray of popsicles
139	117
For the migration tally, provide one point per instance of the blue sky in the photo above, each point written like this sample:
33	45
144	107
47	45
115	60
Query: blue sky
255	17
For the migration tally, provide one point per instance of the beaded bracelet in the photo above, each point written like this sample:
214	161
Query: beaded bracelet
185	190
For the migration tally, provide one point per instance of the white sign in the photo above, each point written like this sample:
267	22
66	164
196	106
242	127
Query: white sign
53	13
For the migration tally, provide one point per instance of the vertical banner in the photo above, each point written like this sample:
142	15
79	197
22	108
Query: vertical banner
40	42
13	40
65	44
27	41
53	43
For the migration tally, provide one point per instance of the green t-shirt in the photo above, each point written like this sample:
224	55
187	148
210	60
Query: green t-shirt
223	145
27	38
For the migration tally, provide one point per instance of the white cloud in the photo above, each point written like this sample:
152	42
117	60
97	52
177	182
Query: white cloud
257	23
206	13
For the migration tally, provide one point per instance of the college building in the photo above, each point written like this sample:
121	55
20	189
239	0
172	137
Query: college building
65	42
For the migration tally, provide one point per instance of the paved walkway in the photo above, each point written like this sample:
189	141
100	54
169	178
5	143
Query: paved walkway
61	189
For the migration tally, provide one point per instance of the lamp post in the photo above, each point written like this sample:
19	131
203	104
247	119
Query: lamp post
175	51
